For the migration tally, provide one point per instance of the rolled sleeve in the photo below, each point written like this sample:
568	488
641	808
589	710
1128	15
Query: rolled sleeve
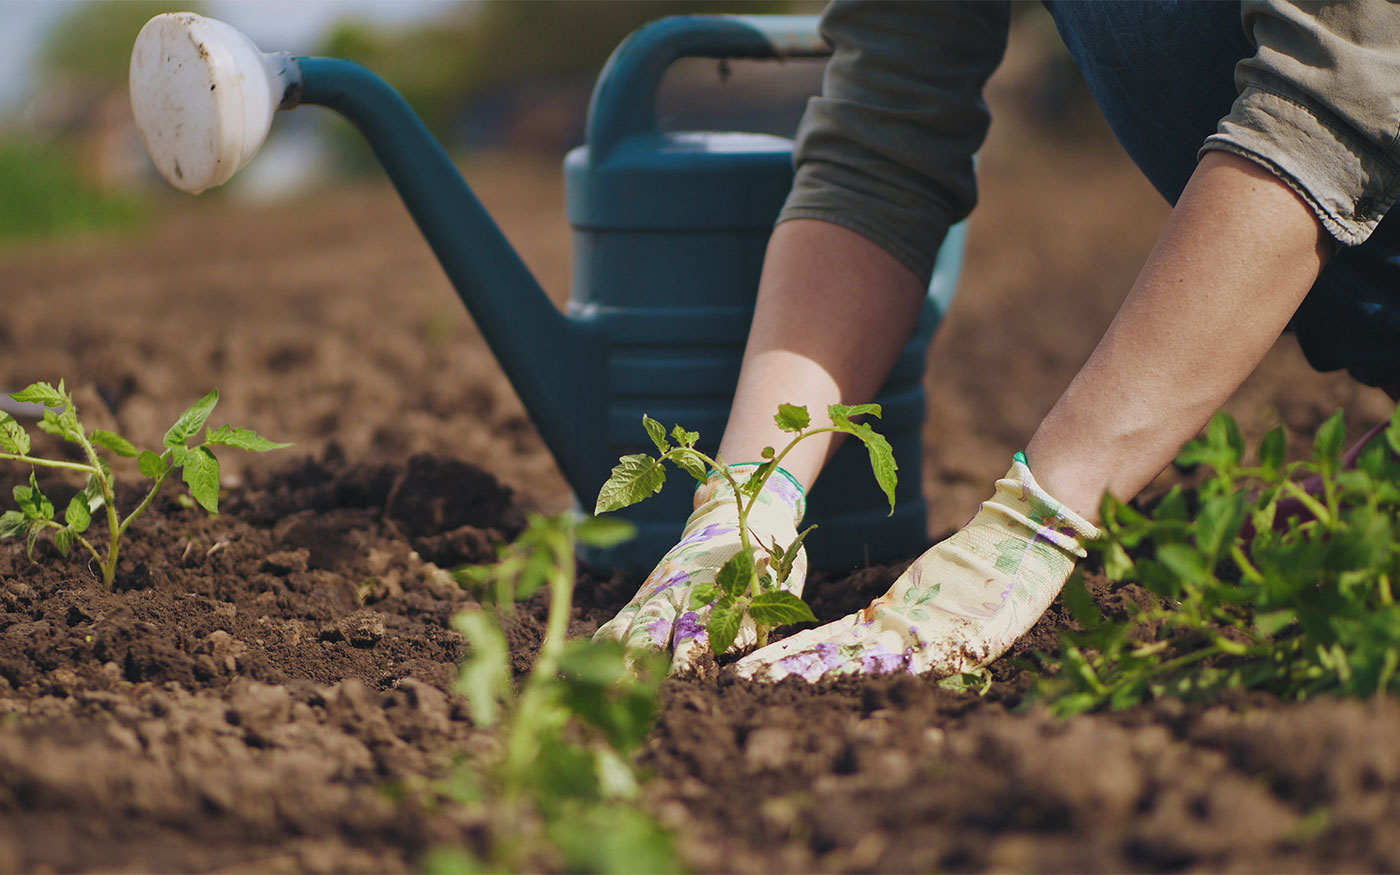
1319	105
886	151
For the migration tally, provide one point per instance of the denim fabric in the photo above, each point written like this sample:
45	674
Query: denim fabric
1163	72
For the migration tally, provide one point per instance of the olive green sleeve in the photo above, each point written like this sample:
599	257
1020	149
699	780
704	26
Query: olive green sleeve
1319	105
886	151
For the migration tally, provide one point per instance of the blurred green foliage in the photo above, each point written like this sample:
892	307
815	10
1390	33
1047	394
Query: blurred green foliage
45	196
441	65
92	42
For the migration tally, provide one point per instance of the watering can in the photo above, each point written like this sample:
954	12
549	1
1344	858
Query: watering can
669	235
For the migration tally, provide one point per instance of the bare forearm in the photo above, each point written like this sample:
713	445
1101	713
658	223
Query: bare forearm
1234	261
834	311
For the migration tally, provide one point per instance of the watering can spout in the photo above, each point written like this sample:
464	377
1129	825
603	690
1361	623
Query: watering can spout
204	97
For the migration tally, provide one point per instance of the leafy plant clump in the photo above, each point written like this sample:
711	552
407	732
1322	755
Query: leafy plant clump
1303	604
747	584
36	514
559	791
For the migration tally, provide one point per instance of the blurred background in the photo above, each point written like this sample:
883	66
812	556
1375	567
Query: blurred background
484	75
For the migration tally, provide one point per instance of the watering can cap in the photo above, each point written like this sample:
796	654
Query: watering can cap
203	96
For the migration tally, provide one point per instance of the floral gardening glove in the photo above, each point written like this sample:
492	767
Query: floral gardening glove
959	606
660	615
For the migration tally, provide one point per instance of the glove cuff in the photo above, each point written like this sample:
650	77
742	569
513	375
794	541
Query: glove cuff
1020	498
782	491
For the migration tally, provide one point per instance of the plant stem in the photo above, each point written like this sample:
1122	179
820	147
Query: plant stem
50	463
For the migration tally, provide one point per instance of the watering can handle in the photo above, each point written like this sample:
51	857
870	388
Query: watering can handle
624	103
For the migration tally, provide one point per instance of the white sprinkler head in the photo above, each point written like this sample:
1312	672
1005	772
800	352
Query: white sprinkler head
203	96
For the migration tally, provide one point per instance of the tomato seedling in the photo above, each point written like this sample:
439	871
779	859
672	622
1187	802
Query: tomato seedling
36	514
747	584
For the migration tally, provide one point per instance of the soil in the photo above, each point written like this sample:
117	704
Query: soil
263	688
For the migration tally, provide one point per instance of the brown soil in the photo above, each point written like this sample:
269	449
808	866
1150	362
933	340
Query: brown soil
263	687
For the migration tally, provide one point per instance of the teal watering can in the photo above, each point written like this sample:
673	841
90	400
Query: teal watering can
669	235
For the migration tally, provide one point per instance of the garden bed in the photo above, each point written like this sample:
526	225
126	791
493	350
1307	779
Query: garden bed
270	689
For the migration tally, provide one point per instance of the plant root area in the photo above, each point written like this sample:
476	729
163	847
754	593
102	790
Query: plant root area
270	689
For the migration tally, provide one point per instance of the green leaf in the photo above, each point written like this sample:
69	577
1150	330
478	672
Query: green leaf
882	461
201	474
60	425
151	465
683	437
42	393
792	418
114	442
32	501
241	438
92	492
1081	605
1184	562
77	516
35	527
191	421
735	575
1327	446
12	523
778	608
634	478
657	432
604	531
757	477
1272	449
723	628
63	540
13	437
842	413
485	674
703	595
691	462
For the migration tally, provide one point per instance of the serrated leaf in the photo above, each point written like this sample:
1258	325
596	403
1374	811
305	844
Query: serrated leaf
842	413
35	527
634	478
191	421
778	608
1331	435
735	574
63	540
115	442
723	627
41	393
753	484
882	461
201	474
691	462
485	674
13	437
703	594
1272	449
683	437
77	516
241	438
604	531
151	465
32	501
12	523
58	426
792	418
657	432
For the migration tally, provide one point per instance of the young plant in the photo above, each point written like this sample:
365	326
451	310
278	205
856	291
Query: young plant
561	791
748	584
36	514
1302	605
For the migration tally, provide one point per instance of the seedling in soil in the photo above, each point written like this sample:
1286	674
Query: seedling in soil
36	514
748	584
1304	606
560	792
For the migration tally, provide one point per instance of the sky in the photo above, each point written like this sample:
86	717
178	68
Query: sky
275	25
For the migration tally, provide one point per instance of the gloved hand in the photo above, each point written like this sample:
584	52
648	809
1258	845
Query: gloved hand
660	615
959	606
